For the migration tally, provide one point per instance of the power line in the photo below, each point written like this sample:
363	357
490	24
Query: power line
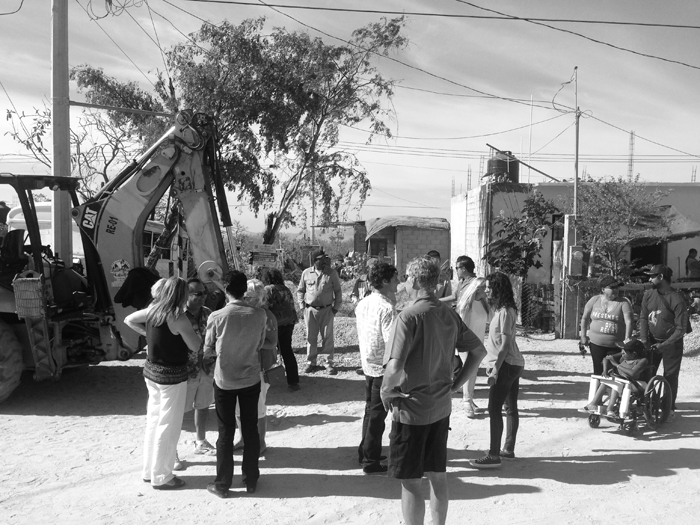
601	42
115	43
416	68
466	137
449	15
15	11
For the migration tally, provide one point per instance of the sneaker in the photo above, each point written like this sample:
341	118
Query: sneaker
178	464
507	455
487	461
204	447
331	370
375	468
173	484
310	368
476	408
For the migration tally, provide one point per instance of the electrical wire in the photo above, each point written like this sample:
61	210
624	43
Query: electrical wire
162	53
115	43
601	42
410	66
466	137
450	15
555	138
15	11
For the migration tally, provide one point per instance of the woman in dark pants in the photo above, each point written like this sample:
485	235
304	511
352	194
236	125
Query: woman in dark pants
606	321
281	304
504	366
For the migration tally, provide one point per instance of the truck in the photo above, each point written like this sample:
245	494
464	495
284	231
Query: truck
55	315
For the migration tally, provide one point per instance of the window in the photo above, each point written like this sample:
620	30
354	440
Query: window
377	247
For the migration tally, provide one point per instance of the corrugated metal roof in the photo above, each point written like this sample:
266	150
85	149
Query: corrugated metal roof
392	221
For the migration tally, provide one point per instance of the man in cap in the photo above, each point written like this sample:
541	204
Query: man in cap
662	324
320	297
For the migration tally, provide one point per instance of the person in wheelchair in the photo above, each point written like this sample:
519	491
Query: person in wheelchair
630	364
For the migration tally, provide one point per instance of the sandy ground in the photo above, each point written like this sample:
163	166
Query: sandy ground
71	453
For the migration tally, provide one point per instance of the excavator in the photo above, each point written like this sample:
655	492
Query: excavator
54	315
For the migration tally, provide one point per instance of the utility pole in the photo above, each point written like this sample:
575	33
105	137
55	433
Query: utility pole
630	163
578	118
60	130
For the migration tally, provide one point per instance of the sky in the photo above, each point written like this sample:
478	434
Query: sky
452	81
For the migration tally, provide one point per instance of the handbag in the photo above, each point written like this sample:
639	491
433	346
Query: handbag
275	376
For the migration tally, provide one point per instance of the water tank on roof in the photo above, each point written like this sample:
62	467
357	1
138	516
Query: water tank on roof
504	164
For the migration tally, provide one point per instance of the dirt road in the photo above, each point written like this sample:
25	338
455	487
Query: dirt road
71	453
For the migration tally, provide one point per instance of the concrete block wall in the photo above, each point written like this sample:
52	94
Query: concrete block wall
412	242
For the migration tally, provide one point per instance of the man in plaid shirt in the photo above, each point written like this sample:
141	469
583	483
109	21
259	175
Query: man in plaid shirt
375	315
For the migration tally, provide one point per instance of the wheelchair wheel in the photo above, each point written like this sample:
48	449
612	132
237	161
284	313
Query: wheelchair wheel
594	420
657	402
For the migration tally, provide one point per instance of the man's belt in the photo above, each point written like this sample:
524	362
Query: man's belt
319	307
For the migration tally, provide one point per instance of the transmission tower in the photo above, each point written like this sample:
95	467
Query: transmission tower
630	164
694	175
453	185
469	177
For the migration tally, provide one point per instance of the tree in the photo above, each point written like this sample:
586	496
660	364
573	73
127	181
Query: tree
279	100
99	148
612	213
519	237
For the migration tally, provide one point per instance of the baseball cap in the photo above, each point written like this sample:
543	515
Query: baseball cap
662	270
632	345
610	282
318	254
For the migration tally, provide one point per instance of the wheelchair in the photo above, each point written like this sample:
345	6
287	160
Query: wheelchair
645	400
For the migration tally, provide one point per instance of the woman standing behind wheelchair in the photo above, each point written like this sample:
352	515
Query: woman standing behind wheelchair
611	322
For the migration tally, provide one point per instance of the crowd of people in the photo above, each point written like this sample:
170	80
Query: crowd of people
413	361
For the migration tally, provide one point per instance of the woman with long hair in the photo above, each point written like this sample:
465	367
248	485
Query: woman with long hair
504	366
169	335
281	304
607	320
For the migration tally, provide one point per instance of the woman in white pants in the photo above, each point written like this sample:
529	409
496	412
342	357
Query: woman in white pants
169	335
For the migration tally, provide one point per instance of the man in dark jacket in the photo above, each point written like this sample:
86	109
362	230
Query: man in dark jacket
662	324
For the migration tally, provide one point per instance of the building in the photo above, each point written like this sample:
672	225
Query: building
401	238
473	214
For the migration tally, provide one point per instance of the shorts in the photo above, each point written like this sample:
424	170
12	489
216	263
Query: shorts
417	449
200	392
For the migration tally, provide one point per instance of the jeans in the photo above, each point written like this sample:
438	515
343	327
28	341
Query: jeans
505	391
671	357
226	415
370	448
598	353
284	340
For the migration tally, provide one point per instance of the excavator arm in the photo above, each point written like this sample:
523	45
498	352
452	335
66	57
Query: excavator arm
184	161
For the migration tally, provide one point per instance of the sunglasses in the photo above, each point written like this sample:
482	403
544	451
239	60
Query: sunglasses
198	294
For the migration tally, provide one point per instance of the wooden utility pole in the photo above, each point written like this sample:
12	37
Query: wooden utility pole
60	130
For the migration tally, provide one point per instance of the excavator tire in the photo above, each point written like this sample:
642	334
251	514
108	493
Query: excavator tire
11	364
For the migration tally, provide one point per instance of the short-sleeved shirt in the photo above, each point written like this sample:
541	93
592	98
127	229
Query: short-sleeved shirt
423	338
375	315
235	334
320	288
503	323
607	324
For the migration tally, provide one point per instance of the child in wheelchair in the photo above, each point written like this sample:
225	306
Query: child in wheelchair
630	364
